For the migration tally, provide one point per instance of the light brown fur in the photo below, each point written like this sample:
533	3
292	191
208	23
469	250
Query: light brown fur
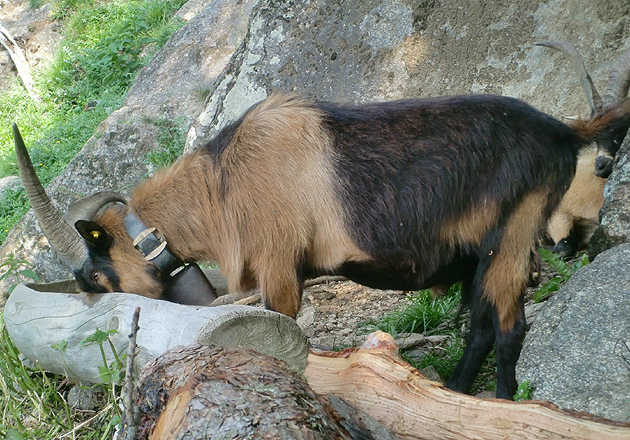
508	273
581	203
280	205
470	228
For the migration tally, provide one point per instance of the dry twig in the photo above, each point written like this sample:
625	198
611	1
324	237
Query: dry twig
131	411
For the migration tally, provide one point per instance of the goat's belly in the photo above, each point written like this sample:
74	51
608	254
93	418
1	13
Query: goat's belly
385	276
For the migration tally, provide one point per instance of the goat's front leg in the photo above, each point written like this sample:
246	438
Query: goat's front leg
281	284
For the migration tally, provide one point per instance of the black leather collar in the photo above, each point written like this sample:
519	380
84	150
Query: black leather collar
153	247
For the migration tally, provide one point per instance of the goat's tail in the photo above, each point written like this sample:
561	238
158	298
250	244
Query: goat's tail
608	124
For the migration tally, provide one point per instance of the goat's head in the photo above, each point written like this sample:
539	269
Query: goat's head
98	248
616	94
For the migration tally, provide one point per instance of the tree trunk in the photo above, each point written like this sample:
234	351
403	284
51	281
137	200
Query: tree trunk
224	392
374	379
18	58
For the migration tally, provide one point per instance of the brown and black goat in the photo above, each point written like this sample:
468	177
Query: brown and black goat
396	195
572	225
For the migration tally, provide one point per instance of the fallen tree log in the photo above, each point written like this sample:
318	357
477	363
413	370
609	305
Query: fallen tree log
212	392
48	326
225	392
375	380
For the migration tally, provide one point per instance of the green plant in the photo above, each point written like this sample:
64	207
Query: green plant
524	391
112	373
564	270
35	4
18	269
106	44
13	206
31	401
171	141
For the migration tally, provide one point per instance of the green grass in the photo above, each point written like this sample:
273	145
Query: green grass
105	44
422	314
563	269
33	403
171	141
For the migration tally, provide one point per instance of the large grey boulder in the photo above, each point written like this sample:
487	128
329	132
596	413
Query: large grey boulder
358	51
577	353
171	86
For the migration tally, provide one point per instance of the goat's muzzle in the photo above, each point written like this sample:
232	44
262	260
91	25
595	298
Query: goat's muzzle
603	166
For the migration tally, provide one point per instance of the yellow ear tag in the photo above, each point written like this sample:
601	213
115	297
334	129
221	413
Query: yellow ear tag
95	235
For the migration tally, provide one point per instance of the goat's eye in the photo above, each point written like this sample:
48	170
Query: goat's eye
95	276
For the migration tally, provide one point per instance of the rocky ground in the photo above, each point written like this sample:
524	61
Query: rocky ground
334	314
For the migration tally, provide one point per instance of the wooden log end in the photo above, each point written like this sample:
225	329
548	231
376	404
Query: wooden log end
267	332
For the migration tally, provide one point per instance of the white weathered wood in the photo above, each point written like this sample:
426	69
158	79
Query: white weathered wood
37	317
17	55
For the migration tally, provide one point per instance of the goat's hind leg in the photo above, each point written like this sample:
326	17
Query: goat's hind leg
480	340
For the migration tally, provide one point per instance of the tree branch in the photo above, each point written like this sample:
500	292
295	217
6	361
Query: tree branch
17	55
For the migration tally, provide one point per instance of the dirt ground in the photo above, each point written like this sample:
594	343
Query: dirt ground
332	314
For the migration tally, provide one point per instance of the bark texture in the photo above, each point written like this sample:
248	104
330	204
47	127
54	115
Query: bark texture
223	392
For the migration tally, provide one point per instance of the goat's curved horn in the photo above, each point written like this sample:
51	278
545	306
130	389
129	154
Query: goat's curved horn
569	50
62	237
87	207
619	81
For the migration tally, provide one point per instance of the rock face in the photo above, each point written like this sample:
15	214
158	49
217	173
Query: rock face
371	50
577	353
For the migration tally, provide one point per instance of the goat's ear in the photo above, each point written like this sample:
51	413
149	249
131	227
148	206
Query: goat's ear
93	234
